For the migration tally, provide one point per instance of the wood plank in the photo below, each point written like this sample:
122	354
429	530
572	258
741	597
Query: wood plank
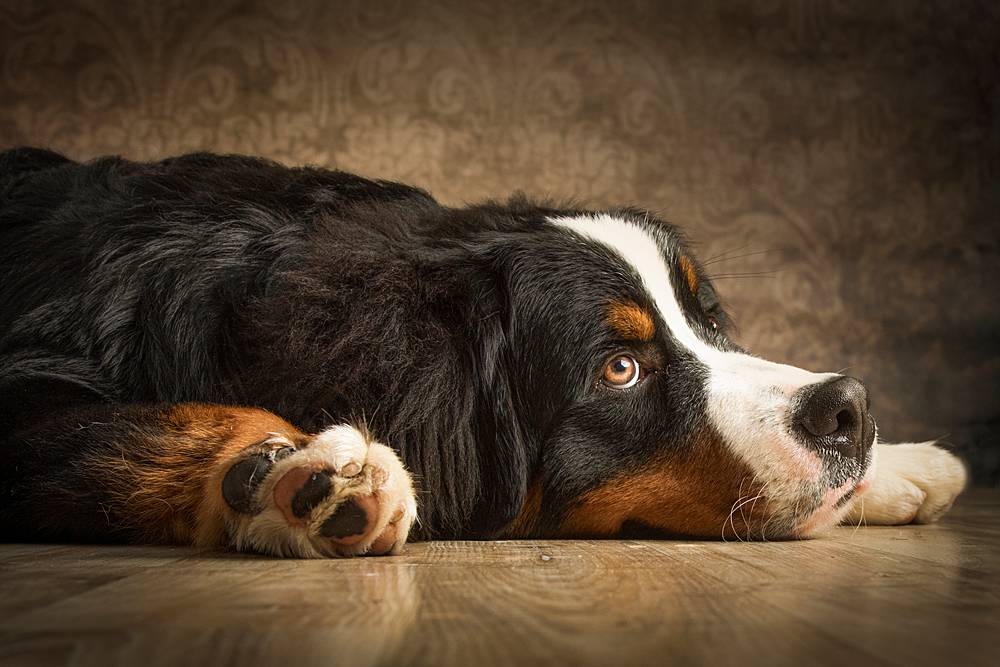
893	596
37	575
584	603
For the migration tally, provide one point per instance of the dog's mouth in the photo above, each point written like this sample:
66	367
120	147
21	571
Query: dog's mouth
829	508
844	499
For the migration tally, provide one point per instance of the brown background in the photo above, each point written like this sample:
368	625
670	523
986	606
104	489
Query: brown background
852	145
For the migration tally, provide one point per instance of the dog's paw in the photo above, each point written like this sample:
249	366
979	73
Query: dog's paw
339	493
911	483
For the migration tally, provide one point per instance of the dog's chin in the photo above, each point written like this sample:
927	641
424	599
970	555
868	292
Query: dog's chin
833	506
808	510
812	506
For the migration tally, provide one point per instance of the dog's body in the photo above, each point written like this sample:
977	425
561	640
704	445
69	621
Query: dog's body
172	332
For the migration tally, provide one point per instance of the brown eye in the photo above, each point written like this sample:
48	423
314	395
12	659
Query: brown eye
712	322
621	372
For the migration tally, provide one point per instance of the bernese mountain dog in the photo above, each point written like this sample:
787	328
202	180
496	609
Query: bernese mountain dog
221	350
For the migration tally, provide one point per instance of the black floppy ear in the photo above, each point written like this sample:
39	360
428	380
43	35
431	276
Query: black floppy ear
503	447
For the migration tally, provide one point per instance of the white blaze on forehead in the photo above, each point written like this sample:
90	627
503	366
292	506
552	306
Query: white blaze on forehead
747	396
639	249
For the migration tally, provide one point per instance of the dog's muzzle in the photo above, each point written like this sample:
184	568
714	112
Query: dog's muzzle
832	419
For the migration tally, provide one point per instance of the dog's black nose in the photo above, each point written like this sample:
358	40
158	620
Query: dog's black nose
833	415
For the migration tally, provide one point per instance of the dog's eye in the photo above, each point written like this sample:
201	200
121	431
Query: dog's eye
621	372
712	322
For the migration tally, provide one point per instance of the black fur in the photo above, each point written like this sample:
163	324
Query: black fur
467	339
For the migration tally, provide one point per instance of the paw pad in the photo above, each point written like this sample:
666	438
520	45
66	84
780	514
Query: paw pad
351	520
316	488
239	486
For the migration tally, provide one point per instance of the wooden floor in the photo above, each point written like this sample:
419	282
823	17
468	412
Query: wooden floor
904	596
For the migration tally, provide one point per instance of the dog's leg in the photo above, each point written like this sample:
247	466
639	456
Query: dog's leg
909	483
205	475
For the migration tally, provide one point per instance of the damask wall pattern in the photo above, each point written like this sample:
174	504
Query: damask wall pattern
837	158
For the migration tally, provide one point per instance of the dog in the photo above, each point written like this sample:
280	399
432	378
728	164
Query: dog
223	351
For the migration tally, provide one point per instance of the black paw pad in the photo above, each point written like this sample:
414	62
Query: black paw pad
316	488
239	486
349	519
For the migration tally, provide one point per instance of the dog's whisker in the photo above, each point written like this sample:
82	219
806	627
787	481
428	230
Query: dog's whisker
740	493
715	258
767	523
742	513
739	497
735	257
770	520
754	505
861	516
745	501
748	274
729	520
732	511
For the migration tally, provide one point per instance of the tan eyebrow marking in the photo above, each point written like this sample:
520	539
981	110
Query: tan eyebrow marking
689	273
630	321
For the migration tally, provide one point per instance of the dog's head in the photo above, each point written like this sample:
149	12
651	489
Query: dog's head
639	408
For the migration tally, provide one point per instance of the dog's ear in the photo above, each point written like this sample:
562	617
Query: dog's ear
501	447
504	447
457	426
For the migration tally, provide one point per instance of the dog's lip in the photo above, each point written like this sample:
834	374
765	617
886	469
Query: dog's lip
859	487
843	500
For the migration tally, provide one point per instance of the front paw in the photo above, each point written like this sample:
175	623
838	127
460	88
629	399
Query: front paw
912	483
338	494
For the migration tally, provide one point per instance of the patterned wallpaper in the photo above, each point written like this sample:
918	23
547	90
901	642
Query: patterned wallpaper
842	153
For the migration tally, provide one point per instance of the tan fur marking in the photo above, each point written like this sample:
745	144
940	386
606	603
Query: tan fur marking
689	273
630	321
173	493
526	522
691	495
246	427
